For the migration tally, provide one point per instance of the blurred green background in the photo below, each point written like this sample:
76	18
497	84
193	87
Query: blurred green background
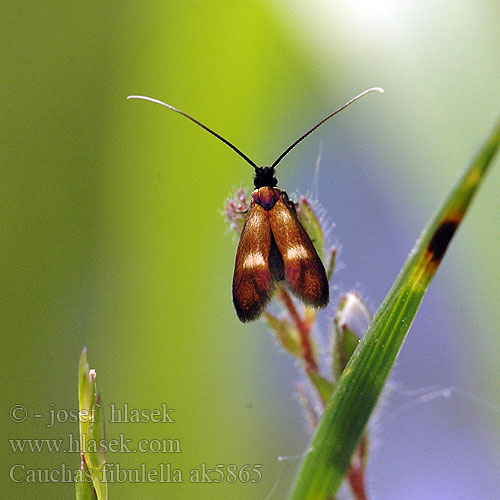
112	236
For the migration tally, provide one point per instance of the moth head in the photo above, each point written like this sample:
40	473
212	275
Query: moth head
264	176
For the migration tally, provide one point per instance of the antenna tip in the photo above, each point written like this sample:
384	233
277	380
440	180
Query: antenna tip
378	89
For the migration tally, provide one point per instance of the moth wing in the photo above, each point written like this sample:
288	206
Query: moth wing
304	272
253	279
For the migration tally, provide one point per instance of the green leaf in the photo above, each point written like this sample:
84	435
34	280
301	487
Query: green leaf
349	325
331	263
345	342
312	225
286	333
322	385
85	389
91	423
356	394
84	487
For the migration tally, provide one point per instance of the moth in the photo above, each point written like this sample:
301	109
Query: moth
274	246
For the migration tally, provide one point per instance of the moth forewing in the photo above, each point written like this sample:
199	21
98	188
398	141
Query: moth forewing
253	279
304	272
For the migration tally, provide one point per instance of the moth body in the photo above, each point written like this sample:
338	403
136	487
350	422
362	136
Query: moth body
275	247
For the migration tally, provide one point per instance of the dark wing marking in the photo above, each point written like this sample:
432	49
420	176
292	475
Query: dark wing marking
253	279
304	272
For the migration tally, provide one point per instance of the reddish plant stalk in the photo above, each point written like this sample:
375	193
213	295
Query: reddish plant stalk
304	330
356	474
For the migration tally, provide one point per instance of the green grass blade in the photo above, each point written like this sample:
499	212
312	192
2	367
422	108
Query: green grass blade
91	423
356	394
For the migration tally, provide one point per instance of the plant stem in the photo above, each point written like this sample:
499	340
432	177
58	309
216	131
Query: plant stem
356	474
304	330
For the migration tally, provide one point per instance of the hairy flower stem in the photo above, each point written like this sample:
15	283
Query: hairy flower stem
304	329
356	473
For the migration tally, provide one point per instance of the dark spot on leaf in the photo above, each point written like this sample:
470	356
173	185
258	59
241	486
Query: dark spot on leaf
442	237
